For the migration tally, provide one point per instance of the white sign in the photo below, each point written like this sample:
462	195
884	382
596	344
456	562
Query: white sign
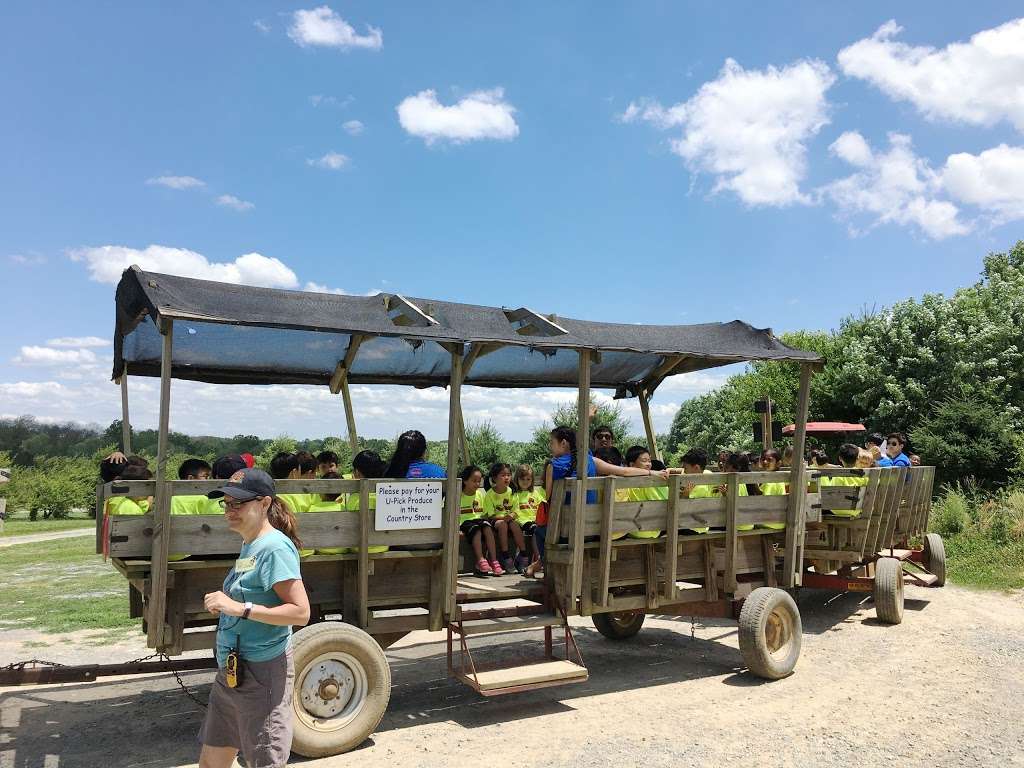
406	506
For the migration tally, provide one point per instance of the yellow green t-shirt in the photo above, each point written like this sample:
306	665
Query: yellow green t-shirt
526	504
194	505
700	492
773	489
498	504
125	506
471	507
645	494
298	502
846	481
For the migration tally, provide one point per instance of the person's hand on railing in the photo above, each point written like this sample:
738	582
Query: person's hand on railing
116	458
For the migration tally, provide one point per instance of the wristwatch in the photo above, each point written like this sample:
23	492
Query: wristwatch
247	610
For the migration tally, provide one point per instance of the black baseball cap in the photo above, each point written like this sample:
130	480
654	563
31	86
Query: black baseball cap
245	485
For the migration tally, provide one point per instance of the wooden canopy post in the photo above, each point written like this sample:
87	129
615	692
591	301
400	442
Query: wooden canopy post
450	552
796	509
579	497
126	427
156	624
645	412
339	383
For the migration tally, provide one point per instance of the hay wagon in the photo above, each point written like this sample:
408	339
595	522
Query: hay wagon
866	539
180	328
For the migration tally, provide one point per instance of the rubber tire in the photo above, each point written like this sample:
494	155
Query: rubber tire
757	655
617	630
889	590
935	557
312	641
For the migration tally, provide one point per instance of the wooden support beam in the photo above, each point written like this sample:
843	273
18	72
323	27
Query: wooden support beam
796	511
404	313
463	442
672	536
658	375
350	416
645	412
579	496
156	637
605	557
126	426
339	383
454	486
363	568
526	322
732	494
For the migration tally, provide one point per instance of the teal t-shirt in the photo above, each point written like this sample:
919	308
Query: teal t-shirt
261	564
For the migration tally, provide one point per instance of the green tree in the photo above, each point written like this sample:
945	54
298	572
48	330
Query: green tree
537	451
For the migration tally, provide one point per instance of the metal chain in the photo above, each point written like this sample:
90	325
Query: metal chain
22	664
181	683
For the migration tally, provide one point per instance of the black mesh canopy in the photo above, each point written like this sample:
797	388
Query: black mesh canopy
225	333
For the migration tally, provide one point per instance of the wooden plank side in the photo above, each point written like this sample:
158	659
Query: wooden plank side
579	498
363	568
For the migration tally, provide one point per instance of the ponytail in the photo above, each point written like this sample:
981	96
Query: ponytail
411	446
281	517
569	436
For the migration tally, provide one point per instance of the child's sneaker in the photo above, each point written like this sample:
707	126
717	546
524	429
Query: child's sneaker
522	561
496	569
507	565
483	568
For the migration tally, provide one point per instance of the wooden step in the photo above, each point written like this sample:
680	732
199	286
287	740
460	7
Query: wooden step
527	677
507	624
920	578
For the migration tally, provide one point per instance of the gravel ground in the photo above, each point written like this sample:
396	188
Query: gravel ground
942	689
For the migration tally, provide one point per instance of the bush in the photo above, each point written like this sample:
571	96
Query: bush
951	513
965	437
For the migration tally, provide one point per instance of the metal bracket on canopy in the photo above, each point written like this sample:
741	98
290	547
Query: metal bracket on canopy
526	322
404	313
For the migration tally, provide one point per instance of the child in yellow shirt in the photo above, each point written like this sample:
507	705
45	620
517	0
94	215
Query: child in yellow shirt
526	500
499	509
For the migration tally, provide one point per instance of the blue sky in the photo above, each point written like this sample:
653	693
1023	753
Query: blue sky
490	153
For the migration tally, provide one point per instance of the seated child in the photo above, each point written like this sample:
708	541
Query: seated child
193	469
499	509
695	462
137	505
326	463
771	461
306	465
640	456
738	462
477	531
285	466
526	500
366	464
610	455
849	456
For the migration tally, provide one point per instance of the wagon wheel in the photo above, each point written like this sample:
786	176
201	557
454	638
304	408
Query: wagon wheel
935	557
342	687
619	625
889	590
770	633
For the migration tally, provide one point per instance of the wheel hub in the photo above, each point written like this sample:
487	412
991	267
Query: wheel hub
327	688
777	632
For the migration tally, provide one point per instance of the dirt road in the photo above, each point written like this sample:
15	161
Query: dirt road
943	689
31	538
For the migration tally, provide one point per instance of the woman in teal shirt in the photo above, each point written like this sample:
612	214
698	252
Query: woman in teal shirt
262	599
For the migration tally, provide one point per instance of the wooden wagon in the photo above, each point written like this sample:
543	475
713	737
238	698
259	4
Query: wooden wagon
177	327
867	537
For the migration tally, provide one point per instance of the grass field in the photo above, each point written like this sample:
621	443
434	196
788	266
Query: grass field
24	526
61	586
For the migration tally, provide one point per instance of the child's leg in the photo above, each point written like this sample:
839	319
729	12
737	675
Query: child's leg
501	526
475	541
517	534
489	542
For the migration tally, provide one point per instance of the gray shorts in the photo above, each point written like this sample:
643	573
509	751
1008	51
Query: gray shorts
256	717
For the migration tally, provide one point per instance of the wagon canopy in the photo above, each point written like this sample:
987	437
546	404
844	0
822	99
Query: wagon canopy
225	333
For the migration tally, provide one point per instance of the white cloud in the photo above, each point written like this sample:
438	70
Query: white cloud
312	287
480	115
322	26
27	259
894	187
977	82
749	128
31	389
353	127
993	181
230	201
78	342
332	161
106	263
176	182
262	26
48	356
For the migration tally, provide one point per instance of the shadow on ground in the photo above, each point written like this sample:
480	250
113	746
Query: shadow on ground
150	722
